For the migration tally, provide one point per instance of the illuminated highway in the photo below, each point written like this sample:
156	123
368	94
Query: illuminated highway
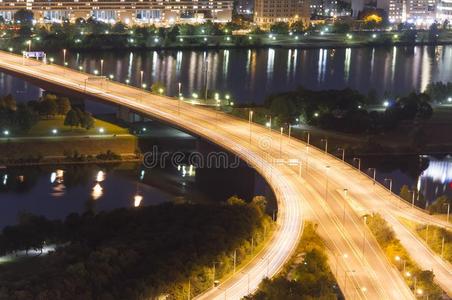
307	184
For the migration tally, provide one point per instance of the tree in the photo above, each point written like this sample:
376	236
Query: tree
280	27
405	193
63	105
8	102
72	119
48	107
119	28
158	88
86	120
297	27
23	16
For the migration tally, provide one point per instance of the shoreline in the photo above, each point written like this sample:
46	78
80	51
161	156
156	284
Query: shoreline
263	46
326	45
5	166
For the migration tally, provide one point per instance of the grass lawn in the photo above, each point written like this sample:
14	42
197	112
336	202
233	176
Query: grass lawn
433	236
45	127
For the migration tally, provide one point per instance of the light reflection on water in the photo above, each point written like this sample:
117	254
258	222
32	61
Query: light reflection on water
251	75
436	180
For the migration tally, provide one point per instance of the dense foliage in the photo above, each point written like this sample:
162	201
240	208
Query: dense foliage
14	117
306	278
130	253
396	253
440	92
345	110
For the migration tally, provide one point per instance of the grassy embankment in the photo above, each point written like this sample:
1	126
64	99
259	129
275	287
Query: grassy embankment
41	142
438	239
420	281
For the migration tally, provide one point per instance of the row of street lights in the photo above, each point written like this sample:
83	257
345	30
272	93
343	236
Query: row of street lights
357	160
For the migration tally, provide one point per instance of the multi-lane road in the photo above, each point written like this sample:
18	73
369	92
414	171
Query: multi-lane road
308	185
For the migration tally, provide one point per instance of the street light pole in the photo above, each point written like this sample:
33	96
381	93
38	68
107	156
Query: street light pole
412	198
101	67
280	142
206	78
448	211
290	130
64	57
141	78
343	153
390	184
359	162
179	98
250	119
375	173
308	137
326	145
345	202
326	184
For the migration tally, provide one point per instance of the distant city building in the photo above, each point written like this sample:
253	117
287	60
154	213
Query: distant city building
444	10
419	12
316	8
270	11
330	8
357	7
126	11
244	7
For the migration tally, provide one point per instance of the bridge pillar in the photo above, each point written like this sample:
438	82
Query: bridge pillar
125	114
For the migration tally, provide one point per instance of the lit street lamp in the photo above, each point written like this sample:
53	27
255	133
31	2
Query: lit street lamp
64	57
101	67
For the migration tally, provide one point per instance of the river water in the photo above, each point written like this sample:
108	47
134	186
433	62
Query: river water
251	75
247	76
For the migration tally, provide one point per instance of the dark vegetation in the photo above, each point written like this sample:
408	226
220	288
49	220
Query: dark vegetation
307	275
345	110
139	253
20	118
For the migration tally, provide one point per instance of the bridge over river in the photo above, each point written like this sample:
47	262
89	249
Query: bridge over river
308	185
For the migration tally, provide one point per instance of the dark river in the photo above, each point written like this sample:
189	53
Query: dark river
251	75
247	76
56	191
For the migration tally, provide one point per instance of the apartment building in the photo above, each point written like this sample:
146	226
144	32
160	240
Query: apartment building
270	11
127	11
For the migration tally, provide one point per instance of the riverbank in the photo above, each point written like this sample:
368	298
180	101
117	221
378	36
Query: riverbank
308	40
50	141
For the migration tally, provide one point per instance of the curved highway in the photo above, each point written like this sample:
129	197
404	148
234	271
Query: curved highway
307	183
